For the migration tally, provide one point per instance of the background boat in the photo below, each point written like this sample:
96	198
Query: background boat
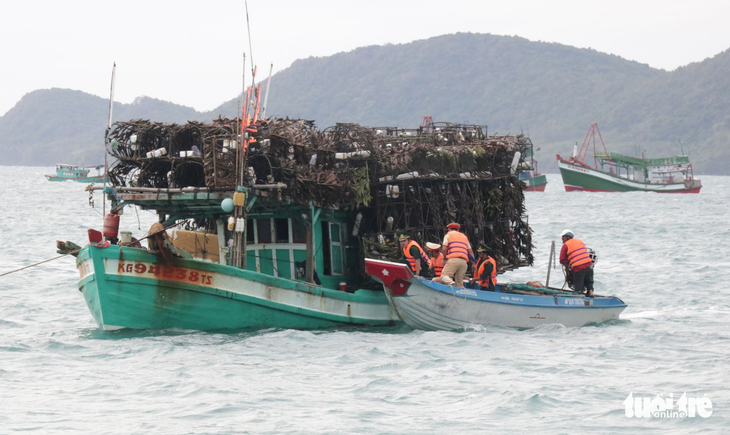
77	173
529	174
619	173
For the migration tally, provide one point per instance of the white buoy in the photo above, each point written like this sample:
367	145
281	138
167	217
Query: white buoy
515	162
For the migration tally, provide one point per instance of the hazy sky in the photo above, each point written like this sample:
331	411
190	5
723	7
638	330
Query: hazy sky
190	52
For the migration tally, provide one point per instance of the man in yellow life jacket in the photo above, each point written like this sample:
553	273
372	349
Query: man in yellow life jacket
417	259
486	270
436	257
457	250
575	256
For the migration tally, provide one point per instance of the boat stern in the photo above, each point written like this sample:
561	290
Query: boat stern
693	185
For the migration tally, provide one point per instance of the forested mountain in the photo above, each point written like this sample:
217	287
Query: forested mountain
549	91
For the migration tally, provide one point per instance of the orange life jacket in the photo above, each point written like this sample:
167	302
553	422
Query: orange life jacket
492	277
437	263
412	260
577	253
458	245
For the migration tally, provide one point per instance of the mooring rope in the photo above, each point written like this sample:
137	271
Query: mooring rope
79	250
40	262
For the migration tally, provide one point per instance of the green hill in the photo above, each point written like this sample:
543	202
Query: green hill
549	91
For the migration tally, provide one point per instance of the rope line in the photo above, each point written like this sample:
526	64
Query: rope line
40	262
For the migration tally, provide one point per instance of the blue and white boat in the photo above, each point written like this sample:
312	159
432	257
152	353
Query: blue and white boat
424	304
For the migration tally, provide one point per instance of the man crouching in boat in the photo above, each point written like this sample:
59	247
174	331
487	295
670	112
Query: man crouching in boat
575	256
486	270
457	249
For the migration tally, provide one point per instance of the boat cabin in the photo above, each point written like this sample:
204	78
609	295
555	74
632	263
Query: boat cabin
71	171
668	170
276	245
275	238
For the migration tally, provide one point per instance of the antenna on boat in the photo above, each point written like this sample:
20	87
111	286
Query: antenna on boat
106	137
250	47
244	101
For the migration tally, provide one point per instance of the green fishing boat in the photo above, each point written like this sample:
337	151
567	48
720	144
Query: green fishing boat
613	172
77	173
266	222
128	286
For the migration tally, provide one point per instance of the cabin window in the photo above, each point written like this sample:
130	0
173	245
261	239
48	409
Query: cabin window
250	235
273	251
326	249
299	231
263	231
332	248
281	227
335	236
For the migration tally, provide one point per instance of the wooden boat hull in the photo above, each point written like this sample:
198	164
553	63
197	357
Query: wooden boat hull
131	288
583	178
423	304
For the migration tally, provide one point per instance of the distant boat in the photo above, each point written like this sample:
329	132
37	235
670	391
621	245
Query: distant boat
77	173
619	173
424	304
532	178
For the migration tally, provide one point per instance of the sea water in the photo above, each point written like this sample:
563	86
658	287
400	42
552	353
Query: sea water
666	255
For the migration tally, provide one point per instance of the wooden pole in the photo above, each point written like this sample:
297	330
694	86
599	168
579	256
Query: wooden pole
550	263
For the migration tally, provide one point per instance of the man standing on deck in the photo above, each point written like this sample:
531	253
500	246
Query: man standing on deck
457	250
575	256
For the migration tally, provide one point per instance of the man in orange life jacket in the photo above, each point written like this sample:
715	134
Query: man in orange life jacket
436	257
457	250
486	270
417	259
575	256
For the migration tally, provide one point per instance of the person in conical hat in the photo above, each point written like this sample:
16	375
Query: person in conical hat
436	257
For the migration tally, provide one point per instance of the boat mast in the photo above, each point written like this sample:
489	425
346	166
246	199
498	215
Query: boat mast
106	136
238	257
238	251
589	140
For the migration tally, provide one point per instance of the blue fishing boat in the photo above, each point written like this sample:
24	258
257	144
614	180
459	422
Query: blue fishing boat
424	304
77	173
